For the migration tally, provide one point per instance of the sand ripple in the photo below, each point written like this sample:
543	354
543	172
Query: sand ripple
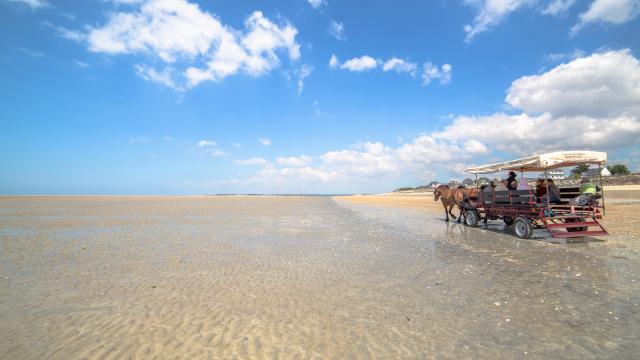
295	278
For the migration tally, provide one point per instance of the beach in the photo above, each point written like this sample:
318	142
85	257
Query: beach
622	205
303	277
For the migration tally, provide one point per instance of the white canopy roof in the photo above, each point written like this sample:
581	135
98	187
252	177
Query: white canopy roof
544	162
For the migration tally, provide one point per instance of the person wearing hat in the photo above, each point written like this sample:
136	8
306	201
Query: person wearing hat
587	190
512	183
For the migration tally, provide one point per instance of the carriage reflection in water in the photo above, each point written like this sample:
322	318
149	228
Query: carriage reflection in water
523	211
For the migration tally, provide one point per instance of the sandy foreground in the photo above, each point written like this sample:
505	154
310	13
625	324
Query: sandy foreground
302	278
622	207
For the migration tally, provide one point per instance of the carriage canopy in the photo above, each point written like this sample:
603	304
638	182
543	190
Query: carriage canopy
544	162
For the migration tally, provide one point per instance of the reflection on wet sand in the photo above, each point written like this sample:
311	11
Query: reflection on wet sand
297	277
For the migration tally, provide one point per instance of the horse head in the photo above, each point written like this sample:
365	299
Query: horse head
438	192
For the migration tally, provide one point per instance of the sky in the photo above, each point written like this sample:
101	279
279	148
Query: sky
306	96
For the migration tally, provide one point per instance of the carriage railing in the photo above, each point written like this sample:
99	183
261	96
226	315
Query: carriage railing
528	199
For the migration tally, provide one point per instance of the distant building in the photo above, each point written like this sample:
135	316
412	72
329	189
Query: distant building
557	174
597	172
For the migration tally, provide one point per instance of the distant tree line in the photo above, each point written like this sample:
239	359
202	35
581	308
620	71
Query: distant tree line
616	169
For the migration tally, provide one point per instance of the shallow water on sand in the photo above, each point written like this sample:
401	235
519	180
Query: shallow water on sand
297	277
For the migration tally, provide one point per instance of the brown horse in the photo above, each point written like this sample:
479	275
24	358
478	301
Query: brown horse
453	197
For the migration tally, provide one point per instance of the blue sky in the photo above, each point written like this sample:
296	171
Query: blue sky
192	97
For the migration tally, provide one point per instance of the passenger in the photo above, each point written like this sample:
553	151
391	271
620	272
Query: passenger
487	192
587	190
541	188
523	184
512	183
554	192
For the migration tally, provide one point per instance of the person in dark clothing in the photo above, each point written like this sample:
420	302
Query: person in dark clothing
512	183
541	188
554	192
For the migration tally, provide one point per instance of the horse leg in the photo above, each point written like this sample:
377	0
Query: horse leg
445	212
450	211
461	214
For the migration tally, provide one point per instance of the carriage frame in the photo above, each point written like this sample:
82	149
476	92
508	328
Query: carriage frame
522	211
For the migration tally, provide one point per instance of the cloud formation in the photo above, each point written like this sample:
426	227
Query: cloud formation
398	65
432	72
490	13
317	3
206	143
558	7
550	119
336	29
33	4
359	64
598	85
591	102
294	161
252	161
608	11
191	45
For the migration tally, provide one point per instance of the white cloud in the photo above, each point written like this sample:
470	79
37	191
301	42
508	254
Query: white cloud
294	161
82	64
264	141
195	42
400	66
359	64
523	134
600	84
333	62
162	77
302	73
235	144
432	72
206	143
490	13
336	29
218	153
127	2
31	52
33	4
608	11
591	102
252	161
317	3
565	56
558	7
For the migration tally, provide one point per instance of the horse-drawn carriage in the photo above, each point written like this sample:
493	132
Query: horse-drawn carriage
523	211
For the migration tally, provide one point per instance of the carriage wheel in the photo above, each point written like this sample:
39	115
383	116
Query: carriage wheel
523	228
508	220
471	218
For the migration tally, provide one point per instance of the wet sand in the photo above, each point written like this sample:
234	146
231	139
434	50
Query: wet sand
298	277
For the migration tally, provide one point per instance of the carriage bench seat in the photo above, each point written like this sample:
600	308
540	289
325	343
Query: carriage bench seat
510	197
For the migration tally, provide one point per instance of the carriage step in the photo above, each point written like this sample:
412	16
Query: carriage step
578	234
573	224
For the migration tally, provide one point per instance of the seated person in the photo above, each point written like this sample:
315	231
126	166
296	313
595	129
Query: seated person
512	183
554	192
541	188
587	190
523	184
